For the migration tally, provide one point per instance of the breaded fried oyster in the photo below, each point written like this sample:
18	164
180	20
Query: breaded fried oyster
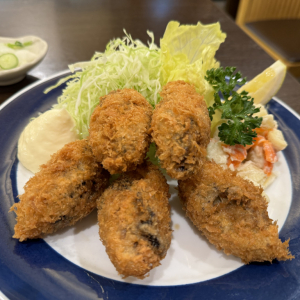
134	221
232	214
180	128
63	192
119	130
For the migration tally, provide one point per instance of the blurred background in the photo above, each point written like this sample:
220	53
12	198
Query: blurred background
273	24
75	29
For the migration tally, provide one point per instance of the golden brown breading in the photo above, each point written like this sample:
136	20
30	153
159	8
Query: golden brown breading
61	193
181	129
119	130
232	213
134	221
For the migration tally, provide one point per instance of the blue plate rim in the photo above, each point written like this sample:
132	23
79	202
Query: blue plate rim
32	85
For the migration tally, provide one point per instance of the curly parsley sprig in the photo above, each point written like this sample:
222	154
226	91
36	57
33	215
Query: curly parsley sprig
237	108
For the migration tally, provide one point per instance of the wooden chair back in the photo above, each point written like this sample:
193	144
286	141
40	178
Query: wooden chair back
259	10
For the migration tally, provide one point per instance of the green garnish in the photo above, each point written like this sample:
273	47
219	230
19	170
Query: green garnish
237	109
8	61
19	45
151	154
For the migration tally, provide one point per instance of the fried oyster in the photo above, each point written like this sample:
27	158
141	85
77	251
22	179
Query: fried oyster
119	130
63	192
134	221
180	128
232	214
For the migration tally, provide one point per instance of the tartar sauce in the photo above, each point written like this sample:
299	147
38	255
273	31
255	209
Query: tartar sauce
44	136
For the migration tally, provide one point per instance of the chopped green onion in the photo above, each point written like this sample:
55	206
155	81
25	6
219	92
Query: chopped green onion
19	45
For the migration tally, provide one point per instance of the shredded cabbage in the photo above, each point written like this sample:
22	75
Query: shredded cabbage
186	52
126	63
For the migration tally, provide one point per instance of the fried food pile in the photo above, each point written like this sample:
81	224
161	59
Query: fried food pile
133	211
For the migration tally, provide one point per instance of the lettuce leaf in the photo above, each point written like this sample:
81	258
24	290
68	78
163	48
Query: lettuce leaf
188	51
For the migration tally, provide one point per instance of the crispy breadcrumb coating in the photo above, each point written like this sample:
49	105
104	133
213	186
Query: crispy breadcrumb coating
134	221
232	214
119	130
63	192
181	129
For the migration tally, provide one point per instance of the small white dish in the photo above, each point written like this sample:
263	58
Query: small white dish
30	57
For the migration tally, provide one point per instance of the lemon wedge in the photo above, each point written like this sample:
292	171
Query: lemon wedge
266	84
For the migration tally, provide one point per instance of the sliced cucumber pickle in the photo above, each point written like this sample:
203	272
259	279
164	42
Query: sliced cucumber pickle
8	61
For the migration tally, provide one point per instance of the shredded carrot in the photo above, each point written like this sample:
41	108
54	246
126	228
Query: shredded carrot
268	168
270	154
236	152
258	140
262	131
235	163
247	147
